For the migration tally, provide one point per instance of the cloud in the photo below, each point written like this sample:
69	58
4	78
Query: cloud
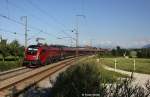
106	42
140	43
124	44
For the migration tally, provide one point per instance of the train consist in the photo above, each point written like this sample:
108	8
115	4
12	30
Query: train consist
38	55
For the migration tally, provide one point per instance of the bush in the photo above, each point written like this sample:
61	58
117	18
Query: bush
77	80
7	65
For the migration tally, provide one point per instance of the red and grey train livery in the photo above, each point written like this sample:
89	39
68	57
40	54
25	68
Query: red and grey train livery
38	55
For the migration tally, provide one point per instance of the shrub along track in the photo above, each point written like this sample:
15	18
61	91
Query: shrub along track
21	82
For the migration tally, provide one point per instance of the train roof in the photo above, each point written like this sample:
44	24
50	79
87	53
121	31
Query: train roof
56	47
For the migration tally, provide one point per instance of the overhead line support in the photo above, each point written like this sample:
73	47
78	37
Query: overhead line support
25	29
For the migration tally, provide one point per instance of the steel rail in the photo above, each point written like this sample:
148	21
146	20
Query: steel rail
32	78
14	72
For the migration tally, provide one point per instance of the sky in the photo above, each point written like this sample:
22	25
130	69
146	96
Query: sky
102	23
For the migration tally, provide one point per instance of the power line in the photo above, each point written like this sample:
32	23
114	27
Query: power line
31	27
21	8
37	29
45	22
13	20
44	12
3	16
15	33
7	4
12	32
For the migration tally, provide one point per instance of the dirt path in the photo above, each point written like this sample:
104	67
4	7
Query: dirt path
139	78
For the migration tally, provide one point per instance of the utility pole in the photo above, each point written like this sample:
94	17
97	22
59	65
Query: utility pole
77	40
71	43
77	35
25	29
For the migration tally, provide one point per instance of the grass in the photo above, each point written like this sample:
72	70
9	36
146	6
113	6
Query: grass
108	76
6	65
141	65
111	76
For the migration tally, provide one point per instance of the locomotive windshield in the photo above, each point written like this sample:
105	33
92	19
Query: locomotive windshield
32	50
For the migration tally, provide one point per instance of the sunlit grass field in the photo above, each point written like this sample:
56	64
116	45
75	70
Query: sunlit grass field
108	76
141	65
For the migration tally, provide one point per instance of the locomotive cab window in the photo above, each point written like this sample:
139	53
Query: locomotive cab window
32	50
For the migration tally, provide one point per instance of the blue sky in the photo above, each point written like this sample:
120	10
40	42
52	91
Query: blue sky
107	23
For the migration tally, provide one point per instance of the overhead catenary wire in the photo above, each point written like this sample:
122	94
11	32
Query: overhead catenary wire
31	27
50	16
44	12
10	19
12	32
35	28
13	20
34	16
7	7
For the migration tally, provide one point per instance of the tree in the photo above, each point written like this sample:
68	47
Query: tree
20	51
14	46
119	51
4	49
113	52
143	53
13	49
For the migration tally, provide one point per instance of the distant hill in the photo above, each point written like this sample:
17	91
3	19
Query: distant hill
146	46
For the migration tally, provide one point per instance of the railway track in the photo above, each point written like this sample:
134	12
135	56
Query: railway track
21	82
14	72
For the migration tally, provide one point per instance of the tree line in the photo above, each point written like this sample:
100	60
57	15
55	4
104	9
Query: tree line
11	49
124	52
140	53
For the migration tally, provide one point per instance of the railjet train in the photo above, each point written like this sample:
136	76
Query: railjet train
38	55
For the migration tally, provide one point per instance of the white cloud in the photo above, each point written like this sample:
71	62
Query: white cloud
105	42
140	43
